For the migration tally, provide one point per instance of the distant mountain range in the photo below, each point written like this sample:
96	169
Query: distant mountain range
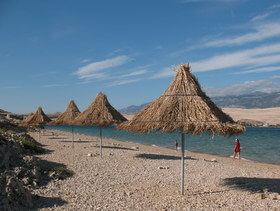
253	100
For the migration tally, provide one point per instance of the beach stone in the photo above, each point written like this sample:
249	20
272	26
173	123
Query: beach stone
89	154
260	196
163	167
214	160
135	148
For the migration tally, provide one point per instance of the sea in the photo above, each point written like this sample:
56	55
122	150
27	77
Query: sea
258	144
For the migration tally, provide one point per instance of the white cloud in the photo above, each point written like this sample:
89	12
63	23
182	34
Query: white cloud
95	76
264	55
53	85
140	72
259	56
122	82
260	70
166	72
89	70
274	6
86	60
85	82
262	32
262	16
244	88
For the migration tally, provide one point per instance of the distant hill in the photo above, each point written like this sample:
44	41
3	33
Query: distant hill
3	111
253	100
132	109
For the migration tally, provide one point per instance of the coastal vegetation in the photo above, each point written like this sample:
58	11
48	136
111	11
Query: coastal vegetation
20	171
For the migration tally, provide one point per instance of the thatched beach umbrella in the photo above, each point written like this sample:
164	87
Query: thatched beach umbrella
67	117
100	113
39	118
183	107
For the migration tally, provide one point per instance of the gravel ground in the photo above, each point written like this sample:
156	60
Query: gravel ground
138	177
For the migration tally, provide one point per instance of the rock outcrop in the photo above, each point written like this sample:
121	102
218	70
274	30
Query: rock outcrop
19	172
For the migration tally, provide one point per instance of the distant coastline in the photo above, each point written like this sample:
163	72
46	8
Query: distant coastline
267	117
257	117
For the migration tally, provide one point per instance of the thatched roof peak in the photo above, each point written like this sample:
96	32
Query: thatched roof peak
100	112
72	107
185	107
68	116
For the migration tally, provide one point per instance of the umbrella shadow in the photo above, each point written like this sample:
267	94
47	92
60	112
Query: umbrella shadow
253	184
161	157
45	151
77	142
58	138
47	202
47	166
42	201
115	147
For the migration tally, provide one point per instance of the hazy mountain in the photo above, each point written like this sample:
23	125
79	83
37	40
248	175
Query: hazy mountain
253	100
132	109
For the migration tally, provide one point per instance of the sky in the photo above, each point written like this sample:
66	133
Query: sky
57	50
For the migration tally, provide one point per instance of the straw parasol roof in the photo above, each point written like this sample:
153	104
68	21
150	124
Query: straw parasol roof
100	113
68	116
184	107
37	119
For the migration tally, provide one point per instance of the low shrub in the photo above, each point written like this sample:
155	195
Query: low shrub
62	173
29	145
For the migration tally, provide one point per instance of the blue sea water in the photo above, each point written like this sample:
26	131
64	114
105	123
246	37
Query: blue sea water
258	144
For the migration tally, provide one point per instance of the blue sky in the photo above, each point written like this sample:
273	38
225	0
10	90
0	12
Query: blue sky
54	51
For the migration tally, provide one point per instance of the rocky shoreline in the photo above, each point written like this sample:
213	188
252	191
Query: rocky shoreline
20	170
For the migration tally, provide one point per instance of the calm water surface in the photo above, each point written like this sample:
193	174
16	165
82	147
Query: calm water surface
258	144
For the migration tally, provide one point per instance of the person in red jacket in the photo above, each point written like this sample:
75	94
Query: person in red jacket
237	149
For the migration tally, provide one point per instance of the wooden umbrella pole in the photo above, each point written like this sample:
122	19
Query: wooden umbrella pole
100	141
72	136
182	164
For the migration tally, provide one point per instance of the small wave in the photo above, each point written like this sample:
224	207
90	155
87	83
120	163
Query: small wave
240	158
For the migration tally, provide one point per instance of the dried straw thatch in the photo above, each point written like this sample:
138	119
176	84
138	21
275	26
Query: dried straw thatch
37	119
68	116
184	107
100	113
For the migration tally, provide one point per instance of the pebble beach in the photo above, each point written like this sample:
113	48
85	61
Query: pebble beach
132	176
